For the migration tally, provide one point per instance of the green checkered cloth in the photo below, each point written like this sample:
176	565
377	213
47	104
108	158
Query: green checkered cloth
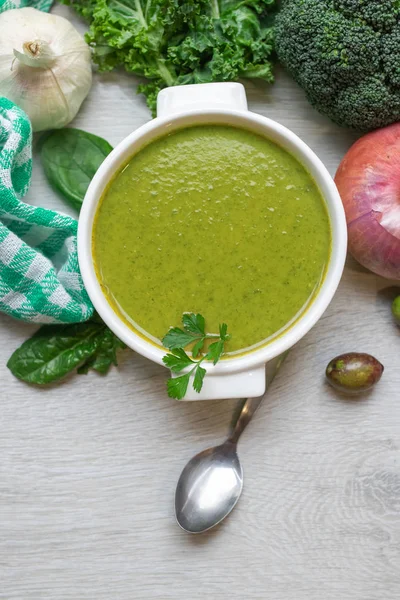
40	280
39	4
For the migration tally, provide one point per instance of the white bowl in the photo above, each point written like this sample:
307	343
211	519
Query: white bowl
242	376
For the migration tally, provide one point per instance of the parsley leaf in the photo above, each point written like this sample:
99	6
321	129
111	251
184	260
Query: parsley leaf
223	332
197	348
177	360
178	386
177	338
198	379
193	331
194	323
215	351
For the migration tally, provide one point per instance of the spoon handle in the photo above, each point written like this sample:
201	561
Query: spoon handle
246	414
250	405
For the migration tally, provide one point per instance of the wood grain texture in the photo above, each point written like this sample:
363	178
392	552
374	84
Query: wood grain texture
88	467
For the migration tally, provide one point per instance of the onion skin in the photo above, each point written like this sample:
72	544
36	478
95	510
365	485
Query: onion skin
354	372
368	180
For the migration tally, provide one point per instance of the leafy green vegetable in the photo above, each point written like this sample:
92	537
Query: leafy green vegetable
175	42
344	54
193	331
177	360
177	387
198	379
194	323
177	338
214	351
70	158
56	350
105	355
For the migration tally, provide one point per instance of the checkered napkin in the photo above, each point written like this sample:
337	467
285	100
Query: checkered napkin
40	280
39	4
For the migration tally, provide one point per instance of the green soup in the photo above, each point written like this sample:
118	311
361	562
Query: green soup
216	220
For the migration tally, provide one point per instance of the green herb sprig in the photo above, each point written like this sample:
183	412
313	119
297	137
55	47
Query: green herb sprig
177	360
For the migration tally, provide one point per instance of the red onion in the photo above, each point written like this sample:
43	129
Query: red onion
368	180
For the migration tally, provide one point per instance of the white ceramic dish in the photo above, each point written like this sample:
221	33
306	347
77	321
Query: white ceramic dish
177	107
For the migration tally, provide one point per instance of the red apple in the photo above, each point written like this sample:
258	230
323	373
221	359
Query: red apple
368	180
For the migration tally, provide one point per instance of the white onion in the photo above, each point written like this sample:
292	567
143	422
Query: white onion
45	66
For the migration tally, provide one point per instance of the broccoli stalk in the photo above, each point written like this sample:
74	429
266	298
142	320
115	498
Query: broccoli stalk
345	55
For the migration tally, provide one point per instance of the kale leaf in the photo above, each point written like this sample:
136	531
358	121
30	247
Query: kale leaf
175	42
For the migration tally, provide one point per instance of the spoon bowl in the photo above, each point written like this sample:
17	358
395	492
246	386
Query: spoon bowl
212	481
208	488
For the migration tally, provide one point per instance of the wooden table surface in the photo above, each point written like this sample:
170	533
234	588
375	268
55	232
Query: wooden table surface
88	467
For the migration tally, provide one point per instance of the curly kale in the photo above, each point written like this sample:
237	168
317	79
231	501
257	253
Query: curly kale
345	54
173	42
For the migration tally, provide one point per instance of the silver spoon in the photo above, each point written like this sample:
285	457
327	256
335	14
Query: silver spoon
212	481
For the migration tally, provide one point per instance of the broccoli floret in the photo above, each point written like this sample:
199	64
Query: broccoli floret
345	54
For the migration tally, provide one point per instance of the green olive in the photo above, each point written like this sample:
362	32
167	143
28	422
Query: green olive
354	372
396	309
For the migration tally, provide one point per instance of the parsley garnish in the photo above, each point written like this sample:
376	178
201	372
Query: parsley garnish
177	360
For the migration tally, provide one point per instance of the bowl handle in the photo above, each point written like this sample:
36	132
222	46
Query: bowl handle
245	384
201	96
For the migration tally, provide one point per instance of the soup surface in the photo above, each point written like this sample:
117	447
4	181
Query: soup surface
217	220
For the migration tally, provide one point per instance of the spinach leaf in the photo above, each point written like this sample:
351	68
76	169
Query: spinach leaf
105	355
56	350
70	158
